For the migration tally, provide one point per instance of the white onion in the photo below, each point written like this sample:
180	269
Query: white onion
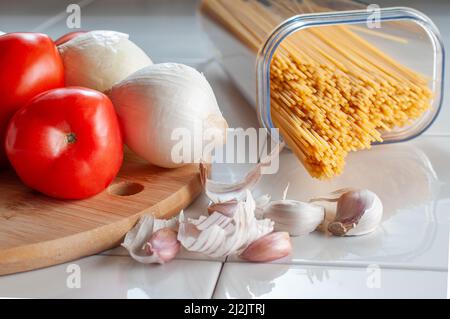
99	59
155	101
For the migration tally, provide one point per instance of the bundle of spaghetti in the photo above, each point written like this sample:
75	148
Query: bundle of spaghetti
331	91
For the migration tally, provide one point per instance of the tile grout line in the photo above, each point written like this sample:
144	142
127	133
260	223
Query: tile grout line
218	279
316	264
183	259
354	265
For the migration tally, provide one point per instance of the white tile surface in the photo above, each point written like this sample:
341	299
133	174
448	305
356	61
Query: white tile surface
165	32
116	277
245	280
413	182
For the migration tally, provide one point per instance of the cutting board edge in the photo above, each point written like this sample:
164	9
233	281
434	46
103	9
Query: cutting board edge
70	248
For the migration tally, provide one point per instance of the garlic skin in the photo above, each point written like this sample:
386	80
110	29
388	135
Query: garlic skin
99	59
219	192
164	244
226	208
160	105
295	217
358	212
219	235
2	33
268	248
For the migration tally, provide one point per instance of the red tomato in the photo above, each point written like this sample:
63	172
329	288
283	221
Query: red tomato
66	143
29	64
68	36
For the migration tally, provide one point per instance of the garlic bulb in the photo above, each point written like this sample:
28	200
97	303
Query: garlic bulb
358	212
151	241
219	235
99	59
268	248
169	114
295	217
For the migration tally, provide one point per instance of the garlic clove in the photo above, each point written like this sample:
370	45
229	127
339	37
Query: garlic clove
136	239
295	217
99	59
268	248
164	244
358	212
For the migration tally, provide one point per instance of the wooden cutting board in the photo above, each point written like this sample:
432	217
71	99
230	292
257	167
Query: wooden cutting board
37	231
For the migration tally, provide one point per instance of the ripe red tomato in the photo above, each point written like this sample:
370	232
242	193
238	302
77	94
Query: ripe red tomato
68	36
29	64
66	143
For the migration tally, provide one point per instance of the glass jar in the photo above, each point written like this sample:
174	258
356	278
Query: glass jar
404	34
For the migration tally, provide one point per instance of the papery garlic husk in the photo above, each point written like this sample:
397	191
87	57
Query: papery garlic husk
229	208
268	248
164	244
226	208
295	217
219	235
169	114
99	59
261	203
358	212
136	240
219	192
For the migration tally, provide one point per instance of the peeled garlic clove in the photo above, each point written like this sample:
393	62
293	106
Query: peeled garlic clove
164	244
295	217
99	59
268	248
358	212
169	114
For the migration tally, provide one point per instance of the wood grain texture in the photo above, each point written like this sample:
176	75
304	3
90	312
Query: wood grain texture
37	231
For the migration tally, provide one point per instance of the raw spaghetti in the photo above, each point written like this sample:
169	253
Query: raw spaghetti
332	92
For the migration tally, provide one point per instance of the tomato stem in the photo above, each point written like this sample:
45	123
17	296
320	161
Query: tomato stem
71	138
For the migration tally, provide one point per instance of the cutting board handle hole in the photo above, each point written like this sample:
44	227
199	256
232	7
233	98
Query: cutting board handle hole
126	189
